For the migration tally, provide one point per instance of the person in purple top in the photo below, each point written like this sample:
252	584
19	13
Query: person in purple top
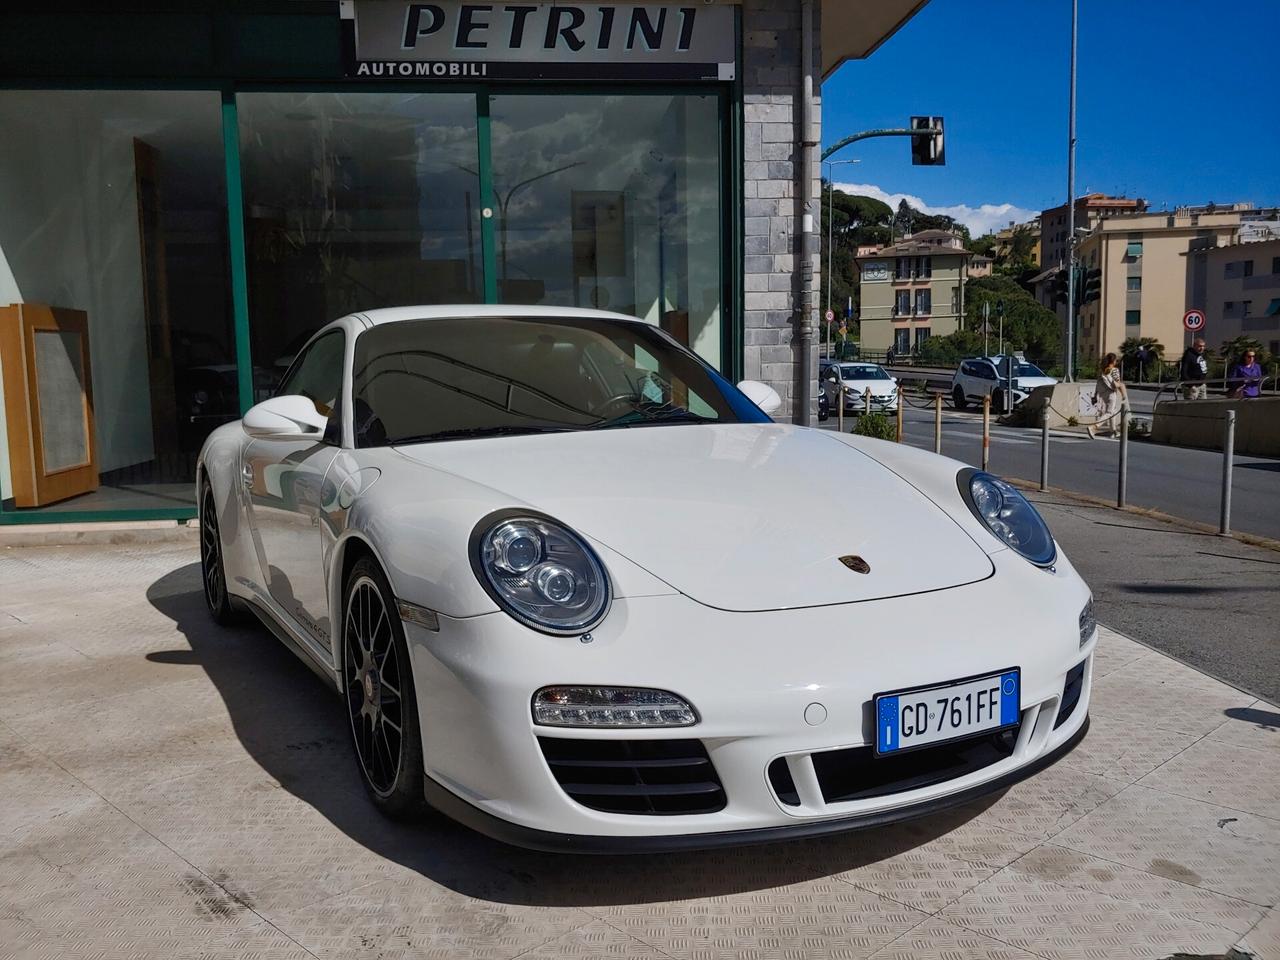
1246	376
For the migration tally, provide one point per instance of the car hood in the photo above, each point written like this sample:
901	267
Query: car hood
1030	383
878	387
742	517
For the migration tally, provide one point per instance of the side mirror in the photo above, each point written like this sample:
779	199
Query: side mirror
762	395
283	418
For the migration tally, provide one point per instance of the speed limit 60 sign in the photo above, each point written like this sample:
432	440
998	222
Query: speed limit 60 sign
1193	320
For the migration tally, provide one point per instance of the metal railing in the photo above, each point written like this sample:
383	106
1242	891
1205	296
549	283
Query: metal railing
1123	414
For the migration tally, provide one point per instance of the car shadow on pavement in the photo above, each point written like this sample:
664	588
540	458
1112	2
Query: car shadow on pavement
294	727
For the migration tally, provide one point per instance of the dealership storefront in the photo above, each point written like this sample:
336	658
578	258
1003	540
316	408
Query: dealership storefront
188	191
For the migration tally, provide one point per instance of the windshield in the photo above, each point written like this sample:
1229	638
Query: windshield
862	371
421	380
1029	370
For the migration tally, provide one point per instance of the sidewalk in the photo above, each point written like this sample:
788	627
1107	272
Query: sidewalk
1210	601
171	789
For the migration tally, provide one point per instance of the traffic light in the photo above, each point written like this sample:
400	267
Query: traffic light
1058	286
1092	286
927	149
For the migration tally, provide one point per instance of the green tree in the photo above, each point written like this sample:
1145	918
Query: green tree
984	245
1028	326
1234	349
1154	352
854	220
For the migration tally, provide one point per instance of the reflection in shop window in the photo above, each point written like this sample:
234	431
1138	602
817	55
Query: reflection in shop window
112	204
612	202
354	201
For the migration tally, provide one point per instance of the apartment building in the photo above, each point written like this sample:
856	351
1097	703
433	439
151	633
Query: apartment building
912	290
1090	209
1238	287
1004	240
1145	284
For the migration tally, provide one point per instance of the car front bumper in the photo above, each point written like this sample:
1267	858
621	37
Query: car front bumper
752	677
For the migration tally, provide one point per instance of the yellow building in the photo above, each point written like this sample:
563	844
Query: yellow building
912	290
1004	241
1145	284
1090	209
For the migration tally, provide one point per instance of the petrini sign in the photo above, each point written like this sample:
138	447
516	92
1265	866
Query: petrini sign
453	40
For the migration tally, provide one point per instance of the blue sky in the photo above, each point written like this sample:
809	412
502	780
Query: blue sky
1175	103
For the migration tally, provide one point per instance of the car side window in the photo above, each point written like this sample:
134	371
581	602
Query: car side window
986	371
317	373
966	369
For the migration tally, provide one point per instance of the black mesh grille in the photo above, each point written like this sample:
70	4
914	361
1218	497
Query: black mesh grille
1070	694
636	776
857	774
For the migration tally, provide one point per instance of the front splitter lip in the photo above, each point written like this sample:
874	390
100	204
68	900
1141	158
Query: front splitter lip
454	807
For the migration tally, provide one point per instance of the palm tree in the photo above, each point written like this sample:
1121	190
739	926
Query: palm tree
1148	350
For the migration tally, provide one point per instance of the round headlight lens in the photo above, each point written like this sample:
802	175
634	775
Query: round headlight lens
542	573
1011	518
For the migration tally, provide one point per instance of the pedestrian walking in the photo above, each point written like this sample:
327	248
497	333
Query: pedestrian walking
1246	376
1110	392
1193	371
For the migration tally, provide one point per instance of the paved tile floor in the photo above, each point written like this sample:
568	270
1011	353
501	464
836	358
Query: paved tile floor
171	789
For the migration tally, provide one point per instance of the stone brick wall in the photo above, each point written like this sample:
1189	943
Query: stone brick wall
771	156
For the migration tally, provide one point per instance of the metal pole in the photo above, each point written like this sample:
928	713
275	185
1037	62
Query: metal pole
986	431
1044	447
937	423
1228	453
1069	340
1122	490
831	204
808	240
840	405
900	431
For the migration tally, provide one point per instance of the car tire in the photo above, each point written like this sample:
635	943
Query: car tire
958	397
379	694
213	572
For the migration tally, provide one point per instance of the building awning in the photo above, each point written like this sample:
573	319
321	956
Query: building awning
1273	308
1133	249
852	30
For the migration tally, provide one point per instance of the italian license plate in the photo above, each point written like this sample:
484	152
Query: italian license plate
906	719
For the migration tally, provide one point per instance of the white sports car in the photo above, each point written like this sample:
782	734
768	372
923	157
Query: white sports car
579	592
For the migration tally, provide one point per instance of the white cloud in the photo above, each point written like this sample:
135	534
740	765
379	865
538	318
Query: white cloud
984	218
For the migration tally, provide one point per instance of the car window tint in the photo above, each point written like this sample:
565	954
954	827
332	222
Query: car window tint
317	373
420	380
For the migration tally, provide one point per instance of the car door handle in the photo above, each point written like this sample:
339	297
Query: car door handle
246	474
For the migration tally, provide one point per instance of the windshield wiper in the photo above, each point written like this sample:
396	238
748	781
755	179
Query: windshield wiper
465	433
643	418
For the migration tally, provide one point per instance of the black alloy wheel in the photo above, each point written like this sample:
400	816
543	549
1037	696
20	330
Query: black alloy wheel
212	571
379	692
958	397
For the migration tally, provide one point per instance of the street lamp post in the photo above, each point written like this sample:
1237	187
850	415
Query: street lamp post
831	201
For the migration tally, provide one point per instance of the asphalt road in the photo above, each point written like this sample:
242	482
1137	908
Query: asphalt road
1176	480
1210	601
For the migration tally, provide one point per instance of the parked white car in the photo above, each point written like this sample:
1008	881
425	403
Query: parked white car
851	379
982	376
578	591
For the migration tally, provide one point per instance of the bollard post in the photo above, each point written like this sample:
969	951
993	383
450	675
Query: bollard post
1228	453
866	401
937	423
840	406
1122	490
1044	448
900	432
986	430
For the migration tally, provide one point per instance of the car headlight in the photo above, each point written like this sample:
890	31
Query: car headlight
541	573
1088	623
1008	515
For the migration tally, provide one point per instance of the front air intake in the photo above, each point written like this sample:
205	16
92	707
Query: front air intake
662	777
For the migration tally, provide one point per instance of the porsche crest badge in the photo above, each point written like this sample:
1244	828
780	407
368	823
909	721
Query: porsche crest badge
856	564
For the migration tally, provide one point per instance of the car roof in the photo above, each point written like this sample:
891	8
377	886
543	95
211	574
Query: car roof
441	311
